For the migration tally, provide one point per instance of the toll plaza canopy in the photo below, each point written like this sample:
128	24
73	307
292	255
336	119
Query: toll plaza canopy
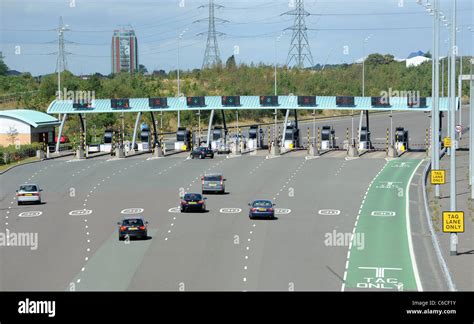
135	105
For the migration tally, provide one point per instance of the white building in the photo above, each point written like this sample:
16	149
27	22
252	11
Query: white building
26	126
416	58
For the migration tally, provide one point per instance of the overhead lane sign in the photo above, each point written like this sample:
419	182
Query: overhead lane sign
230	102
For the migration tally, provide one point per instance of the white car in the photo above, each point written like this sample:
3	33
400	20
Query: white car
28	193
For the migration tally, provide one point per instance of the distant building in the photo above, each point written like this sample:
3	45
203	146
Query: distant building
416	58
26	126
124	51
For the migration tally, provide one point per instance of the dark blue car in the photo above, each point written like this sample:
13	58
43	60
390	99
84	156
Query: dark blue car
262	209
193	202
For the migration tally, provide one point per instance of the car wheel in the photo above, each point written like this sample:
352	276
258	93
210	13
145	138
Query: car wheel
120	238
39	202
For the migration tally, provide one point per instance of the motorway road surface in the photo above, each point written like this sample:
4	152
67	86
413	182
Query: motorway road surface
321	202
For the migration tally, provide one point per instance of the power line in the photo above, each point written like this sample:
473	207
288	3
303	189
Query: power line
212	54
61	63
299	51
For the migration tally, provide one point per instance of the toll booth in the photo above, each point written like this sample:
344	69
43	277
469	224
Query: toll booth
254	140
364	139
183	139
328	138
292	136
218	138
401	139
107	146
145	138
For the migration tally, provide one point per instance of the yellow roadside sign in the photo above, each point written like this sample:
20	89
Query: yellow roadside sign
453	222
438	177
447	142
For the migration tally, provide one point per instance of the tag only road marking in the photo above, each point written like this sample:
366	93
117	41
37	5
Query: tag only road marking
329	212
30	214
129	211
282	211
230	210
383	213
80	212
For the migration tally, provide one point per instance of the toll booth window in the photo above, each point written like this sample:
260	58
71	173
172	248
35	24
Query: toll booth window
289	134
108	138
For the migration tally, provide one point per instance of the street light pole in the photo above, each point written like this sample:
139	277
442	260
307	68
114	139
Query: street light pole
275	88
471	132
179	82
453	238
435	106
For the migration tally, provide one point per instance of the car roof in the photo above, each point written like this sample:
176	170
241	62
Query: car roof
213	174
192	193
265	200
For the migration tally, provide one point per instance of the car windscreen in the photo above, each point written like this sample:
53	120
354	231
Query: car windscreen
192	197
132	222
262	203
212	178
28	188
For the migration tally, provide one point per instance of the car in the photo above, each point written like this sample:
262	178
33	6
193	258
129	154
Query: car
29	193
132	226
202	152
262	209
213	183
193	202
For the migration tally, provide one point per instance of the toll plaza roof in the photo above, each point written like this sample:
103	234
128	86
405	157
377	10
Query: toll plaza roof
246	102
32	117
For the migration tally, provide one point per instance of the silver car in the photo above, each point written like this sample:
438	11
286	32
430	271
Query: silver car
213	183
29	193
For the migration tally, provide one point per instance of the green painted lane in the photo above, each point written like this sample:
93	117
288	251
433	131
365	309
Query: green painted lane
381	254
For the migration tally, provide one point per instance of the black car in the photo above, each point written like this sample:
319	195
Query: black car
132	226
193	202
202	153
262	209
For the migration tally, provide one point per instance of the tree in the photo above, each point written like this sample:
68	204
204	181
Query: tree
142	69
230	63
12	134
3	66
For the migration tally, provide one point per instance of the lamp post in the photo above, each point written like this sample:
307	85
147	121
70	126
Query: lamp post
452	110
179	83
276	87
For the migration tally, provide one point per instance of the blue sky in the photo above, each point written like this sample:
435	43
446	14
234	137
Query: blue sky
397	27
